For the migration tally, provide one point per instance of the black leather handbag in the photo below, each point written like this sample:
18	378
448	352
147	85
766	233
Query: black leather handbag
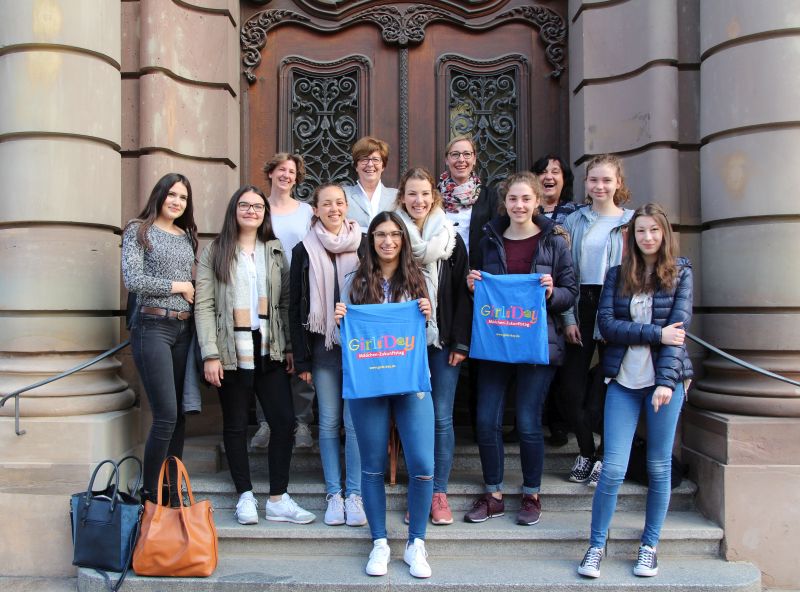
105	524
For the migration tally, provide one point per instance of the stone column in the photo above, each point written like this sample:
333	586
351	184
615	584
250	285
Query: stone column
742	435
180	113
59	260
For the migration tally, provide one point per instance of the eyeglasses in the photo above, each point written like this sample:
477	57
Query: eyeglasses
456	155
395	235
367	160
245	207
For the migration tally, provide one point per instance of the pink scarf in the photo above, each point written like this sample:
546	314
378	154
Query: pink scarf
321	245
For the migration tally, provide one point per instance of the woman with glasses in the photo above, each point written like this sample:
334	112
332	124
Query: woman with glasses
320	263
158	251
242	319
369	196
439	249
468	202
389	273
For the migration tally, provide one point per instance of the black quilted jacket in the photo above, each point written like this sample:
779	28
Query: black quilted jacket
671	363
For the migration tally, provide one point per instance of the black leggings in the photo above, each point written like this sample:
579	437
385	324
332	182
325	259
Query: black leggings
270	382
575	401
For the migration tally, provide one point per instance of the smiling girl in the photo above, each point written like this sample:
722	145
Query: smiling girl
645	309
438	248
520	241
596	233
158	250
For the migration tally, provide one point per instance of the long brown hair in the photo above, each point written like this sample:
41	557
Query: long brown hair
634	278
623	194
155	202
224	245
407	279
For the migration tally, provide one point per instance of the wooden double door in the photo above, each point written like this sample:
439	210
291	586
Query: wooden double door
318	75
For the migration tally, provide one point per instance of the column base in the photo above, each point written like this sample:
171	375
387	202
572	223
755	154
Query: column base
748	472
40	471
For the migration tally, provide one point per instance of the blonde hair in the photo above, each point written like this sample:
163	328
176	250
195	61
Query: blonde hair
462	138
623	194
422	174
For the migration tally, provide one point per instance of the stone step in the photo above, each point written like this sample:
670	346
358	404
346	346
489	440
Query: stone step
465	458
558	494
496	572
558	534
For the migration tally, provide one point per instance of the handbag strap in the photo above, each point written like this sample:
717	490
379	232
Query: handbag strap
114	474
135	489
114	587
182	476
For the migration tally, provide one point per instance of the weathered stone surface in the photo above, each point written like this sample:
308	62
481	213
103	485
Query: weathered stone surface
59	180
726	20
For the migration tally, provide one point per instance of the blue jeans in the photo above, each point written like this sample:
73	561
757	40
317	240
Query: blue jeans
444	379
533	382
623	406
414	418
160	346
326	370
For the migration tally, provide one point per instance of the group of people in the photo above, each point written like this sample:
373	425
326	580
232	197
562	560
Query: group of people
272	288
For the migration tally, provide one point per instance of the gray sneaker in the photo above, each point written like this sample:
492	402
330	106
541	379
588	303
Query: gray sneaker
590	566
334	514
261	437
354	509
302	436
646	562
287	510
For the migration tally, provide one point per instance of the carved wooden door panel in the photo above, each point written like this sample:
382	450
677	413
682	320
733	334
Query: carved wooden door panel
318	75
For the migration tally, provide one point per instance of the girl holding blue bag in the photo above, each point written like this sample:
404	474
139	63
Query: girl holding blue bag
438	248
520	241
388	273
645	308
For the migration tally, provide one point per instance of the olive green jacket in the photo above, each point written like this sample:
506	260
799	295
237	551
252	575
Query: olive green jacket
213	308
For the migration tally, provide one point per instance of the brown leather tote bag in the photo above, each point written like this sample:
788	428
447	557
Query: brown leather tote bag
179	541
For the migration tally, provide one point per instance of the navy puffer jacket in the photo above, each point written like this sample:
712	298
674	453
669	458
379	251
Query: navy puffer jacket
671	363
552	256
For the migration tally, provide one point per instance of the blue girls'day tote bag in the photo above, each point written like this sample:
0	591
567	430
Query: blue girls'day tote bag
509	320
384	351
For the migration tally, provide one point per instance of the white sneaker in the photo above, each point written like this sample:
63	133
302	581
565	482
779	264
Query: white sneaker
302	436
416	558
261	437
354	508
334	515
287	510
378	563
594	477
247	509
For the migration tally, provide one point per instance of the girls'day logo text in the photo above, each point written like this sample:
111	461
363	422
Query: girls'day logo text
509	316
383	346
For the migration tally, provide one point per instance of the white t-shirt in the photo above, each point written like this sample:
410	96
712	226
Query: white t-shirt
460	220
292	228
594	250
637	371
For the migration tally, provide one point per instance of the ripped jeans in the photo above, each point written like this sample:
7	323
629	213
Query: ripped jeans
414	418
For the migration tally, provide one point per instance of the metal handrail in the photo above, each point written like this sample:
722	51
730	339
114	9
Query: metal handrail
15	395
740	362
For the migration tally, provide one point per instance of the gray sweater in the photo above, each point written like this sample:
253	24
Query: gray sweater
150	273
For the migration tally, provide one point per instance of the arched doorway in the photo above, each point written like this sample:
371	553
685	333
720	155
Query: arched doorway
318	75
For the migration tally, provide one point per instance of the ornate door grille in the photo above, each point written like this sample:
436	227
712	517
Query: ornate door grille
485	101
326	116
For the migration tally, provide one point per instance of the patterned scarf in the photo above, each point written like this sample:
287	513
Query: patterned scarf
458	197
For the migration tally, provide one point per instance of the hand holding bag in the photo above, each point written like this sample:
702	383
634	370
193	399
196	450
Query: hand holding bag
180	541
105	524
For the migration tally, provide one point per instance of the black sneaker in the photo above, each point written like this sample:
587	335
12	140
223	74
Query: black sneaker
581	469
590	566
646	563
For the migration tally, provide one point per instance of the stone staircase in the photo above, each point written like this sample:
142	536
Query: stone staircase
495	555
